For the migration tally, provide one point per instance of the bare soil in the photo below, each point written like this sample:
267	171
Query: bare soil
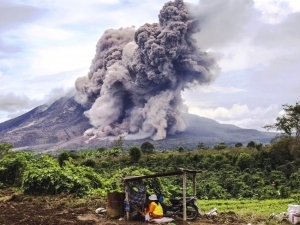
17	209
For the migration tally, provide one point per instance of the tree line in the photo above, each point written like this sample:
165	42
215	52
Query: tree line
252	171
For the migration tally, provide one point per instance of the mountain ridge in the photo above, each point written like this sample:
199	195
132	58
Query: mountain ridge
62	124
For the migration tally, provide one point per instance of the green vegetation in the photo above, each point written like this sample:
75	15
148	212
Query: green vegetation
289	123
250	181
135	153
249	210
5	148
265	178
45	176
147	147
271	172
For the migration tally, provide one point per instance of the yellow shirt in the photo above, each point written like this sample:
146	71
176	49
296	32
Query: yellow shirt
156	209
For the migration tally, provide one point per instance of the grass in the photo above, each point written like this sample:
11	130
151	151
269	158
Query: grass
253	211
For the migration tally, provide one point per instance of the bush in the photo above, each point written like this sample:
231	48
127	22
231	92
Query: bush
101	149
244	161
5	148
12	167
135	153
45	176
238	145
220	146
251	144
89	163
63	157
180	149
147	148
284	191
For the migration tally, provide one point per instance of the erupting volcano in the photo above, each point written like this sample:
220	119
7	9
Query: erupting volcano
136	78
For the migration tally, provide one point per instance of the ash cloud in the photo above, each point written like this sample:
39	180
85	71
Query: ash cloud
136	78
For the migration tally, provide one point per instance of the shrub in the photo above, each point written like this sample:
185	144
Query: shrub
101	149
244	161
238	145
147	147
12	167
63	157
180	149
5	148
89	163
251	144
284	191
201	146
135	153
45	176
220	146
259	146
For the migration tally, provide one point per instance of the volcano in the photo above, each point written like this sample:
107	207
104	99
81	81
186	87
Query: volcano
61	125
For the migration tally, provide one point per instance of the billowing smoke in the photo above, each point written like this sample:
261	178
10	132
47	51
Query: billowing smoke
136	78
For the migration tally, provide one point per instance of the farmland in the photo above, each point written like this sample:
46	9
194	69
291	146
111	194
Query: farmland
18	208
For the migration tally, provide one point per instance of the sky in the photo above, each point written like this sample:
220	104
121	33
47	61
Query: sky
46	45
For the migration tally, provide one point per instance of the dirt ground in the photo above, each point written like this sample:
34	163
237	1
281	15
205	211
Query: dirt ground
17	209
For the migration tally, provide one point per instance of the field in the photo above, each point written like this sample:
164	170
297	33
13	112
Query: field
17	208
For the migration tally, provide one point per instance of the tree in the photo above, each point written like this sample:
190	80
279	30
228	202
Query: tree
201	146
5	148
118	143
259	146
238	145
289	123
251	144
62	157
281	152
220	146
147	147
180	149
135	153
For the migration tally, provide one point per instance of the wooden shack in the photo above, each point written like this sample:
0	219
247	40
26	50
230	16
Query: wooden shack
181	171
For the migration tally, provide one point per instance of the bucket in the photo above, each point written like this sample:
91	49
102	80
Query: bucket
115	204
293	208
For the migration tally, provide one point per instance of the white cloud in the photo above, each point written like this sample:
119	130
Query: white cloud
273	11
6	63
42	33
56	59
240	115
11	102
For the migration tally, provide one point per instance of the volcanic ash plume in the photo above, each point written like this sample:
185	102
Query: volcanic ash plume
136	77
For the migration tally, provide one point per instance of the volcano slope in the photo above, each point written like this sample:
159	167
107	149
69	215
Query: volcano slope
62	124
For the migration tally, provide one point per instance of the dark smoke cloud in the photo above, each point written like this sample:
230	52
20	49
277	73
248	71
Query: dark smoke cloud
136	78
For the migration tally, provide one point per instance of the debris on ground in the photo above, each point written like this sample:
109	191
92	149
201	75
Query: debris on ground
100	210
211	214
281	216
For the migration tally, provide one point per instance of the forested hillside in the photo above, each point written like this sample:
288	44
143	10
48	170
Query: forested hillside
252	171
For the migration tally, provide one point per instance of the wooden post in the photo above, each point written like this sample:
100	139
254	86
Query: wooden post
127	198
194	184
184	195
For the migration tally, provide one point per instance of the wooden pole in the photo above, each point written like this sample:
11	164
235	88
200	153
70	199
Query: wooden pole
194	184
184	195
127	198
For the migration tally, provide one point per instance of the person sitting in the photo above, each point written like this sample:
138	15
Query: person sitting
155	210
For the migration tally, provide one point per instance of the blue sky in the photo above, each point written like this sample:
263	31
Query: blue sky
46	45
